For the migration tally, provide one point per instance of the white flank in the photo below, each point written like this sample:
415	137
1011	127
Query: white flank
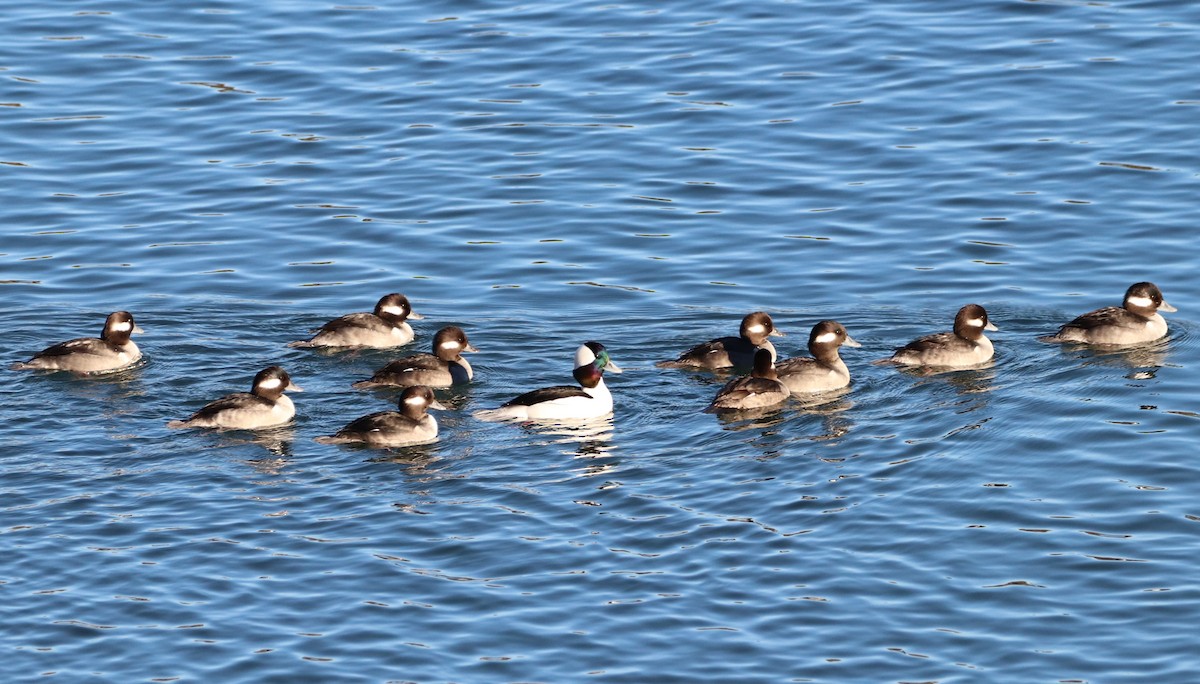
393	310
1141	302
826	338
271	383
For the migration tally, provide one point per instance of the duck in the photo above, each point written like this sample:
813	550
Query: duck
1136	321
589	399
966	346
727	352
265	405
385	327
443	368
760	389
824	371
112	351
412	424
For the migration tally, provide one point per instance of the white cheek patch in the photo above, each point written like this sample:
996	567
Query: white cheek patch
449	344
415	401
975	322
1141	302
271	383
826	338
124	326
393	310
757	328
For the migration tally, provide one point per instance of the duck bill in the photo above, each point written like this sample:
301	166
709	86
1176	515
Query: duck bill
776	332
850	342
470	348
437	405
414	316
612	367
138	329
1167	307
293	387
991	326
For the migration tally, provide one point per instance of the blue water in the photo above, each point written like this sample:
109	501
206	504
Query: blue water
640	174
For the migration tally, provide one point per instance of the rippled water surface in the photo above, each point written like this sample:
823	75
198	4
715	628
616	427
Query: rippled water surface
640	174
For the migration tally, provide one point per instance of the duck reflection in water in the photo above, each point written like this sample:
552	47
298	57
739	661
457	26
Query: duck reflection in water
276	441
1143	362
590	437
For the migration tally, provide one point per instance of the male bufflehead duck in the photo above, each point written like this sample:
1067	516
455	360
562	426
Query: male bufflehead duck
824	370
589	400
112	351
384	327
760	389
725	352
265	405
965	347
443	368
410	425
1136	321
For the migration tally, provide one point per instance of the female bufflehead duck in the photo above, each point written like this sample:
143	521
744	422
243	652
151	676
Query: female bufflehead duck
725	352
384	327
590	400
824	370
443	368
265	405
965	347
760	389
1136	321
112	351
410	425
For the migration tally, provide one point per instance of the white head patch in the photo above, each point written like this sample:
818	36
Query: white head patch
584	356
271	383
826	338
449	344
1141	302
415	400
757	328
123	326
393	310
975	322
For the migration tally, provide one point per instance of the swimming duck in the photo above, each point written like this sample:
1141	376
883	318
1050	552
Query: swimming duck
443	368
412	424
384	327
265	405
760	389
1136	321
965	347
824	370
726	352
112	351
590	399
